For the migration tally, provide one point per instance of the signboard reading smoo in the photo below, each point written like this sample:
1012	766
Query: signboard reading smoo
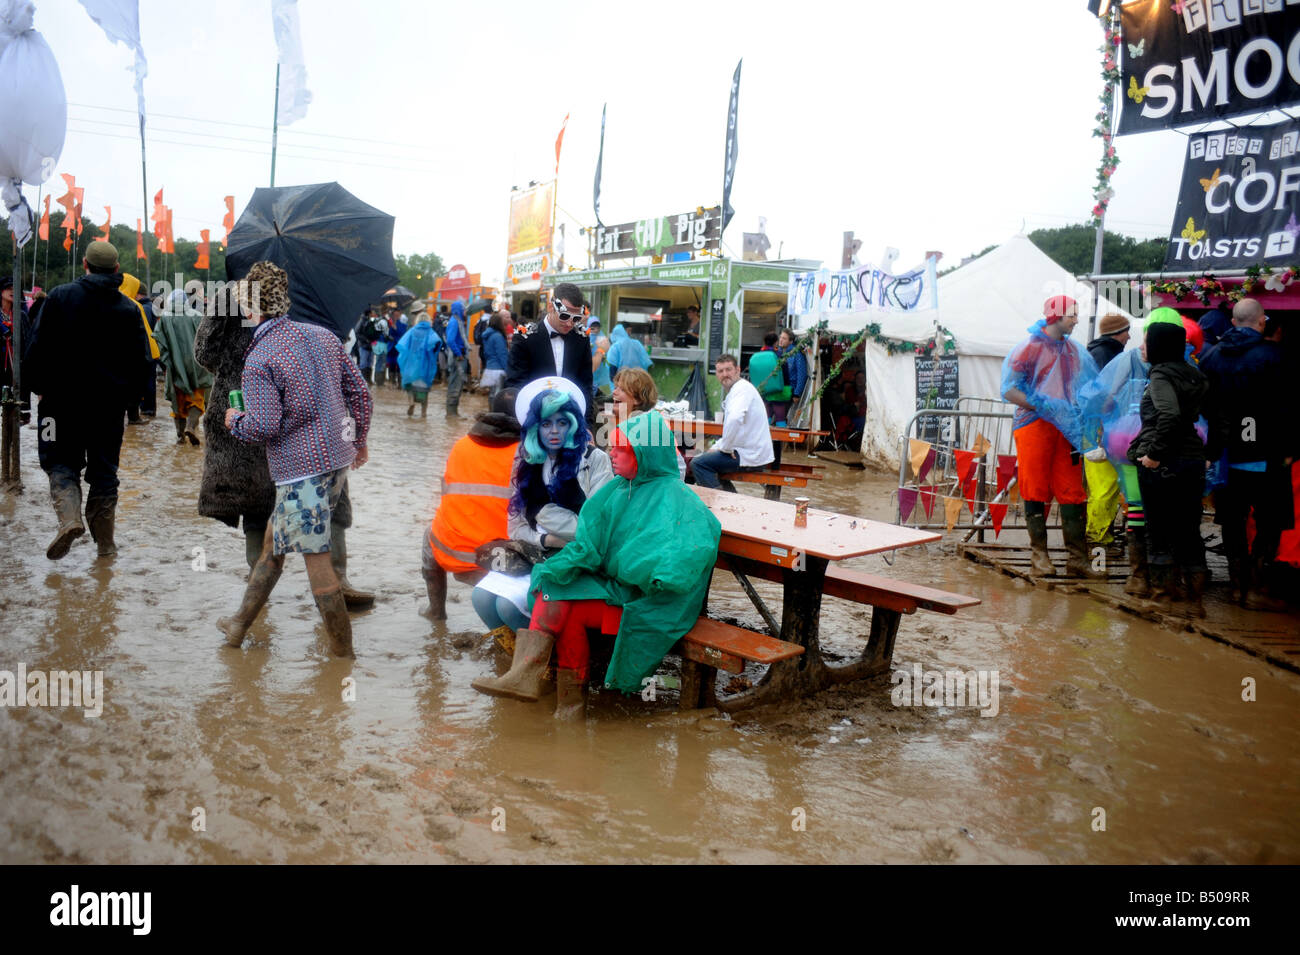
1238	199
695	231
1198	60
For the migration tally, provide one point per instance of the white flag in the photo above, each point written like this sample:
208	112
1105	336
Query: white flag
294	95
120	20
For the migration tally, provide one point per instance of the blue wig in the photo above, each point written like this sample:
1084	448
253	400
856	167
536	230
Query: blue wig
531	494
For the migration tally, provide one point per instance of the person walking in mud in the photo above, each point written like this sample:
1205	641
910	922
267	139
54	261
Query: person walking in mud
85	367
307	402
187	381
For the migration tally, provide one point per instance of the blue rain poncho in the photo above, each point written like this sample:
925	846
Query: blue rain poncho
626	352
1110	403
417	355
1051	375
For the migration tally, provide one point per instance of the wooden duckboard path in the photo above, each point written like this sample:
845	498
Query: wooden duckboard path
1274	637
850	459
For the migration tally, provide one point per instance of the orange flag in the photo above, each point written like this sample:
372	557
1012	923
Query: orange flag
108	222
44	232
69	198
166	241
202	261
228	221
559	141
171	237
139	239
158	210
76	213
67	240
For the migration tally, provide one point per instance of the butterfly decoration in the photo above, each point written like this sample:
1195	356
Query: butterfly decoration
1191	233
1137	49
1137	93
1292	228
1177	6
1277	282
1209	184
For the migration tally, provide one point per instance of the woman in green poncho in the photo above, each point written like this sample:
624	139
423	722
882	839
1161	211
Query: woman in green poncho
638	568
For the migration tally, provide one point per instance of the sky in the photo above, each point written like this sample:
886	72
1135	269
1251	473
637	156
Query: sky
948	125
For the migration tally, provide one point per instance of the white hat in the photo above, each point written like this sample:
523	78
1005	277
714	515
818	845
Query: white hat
553	383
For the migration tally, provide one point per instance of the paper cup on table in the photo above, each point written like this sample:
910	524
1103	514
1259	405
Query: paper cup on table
801	512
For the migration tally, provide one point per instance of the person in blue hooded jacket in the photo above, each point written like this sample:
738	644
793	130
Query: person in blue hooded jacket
417	359
457	351
626	352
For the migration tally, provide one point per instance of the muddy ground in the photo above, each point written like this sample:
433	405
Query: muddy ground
1098	711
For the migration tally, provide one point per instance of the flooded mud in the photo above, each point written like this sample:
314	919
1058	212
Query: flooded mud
1114	741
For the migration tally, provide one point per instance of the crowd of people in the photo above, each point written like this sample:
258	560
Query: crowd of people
1193	413
564	530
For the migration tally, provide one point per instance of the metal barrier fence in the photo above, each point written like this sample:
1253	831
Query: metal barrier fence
948	431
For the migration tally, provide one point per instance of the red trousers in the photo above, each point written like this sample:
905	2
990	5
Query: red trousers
569	620
1044	467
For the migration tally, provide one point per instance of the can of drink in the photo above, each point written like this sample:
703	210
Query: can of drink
801	512
237	400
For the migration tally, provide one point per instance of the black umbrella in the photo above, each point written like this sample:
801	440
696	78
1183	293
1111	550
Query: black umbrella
337	250
478	305
398	297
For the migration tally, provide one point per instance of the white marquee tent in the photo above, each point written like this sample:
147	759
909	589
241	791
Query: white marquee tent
987	305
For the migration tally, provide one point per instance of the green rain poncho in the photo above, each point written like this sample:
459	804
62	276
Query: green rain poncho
647	545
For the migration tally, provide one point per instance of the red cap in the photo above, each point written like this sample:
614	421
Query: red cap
1055	307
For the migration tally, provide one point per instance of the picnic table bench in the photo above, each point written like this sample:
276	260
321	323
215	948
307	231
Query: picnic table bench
775	477
759	540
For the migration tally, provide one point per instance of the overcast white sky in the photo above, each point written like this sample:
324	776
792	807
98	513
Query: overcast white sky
942	125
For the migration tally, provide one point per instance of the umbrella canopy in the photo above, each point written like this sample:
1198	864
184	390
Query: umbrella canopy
337	250
399	297
478	305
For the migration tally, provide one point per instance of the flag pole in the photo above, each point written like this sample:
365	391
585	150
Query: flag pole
275	123
144	194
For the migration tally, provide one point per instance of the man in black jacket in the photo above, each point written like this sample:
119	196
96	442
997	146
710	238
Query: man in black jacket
554	346
1112	336
86	365
1248	417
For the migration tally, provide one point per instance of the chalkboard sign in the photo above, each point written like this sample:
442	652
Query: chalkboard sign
717	329
937	387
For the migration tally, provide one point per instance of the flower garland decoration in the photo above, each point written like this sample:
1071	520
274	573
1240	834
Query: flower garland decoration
872	333
1206	287
1102	191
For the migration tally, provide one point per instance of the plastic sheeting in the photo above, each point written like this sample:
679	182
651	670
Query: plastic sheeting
1051	374
1110	403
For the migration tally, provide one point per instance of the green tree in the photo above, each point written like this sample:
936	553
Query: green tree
1072	246
417	272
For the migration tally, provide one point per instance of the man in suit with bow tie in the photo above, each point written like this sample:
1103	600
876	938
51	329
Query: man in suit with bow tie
554	346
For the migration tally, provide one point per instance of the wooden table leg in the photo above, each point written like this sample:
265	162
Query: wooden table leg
699	685
879	651
800	621
772	492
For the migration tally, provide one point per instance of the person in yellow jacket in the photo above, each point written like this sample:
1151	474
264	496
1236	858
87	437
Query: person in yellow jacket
130	287
472	509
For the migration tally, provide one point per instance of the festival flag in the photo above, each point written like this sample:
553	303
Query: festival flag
293	97
76	212
108	222
69	198
171	236
906	503
559	141
158	207
228	221
166	242
917	454
120	20
67	240
982	445
202	261
139	239
44	233
965	465
968	494
600	162
1006	468
927	499
951	511
729	163
997	512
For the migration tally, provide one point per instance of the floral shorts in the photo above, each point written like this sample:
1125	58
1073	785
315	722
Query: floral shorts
301	520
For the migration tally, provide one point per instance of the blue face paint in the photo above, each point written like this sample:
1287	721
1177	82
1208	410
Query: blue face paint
553	431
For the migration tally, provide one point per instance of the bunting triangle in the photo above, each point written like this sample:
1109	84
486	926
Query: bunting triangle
906	503
997	512
951	511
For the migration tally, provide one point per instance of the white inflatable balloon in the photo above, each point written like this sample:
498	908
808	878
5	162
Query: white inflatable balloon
33	105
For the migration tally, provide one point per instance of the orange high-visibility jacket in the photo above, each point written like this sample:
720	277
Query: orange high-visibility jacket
475	493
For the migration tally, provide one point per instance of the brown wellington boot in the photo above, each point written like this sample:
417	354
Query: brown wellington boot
67	507
258	590
101	515
1138	583
334	611
192	426
523	681
569	704
1196	581
1074	523
435	584
1036	522
180	429
355	599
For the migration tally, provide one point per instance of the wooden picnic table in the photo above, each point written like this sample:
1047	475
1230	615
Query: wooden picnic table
702	427
759	539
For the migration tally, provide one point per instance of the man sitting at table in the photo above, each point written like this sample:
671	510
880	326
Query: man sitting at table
746	442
